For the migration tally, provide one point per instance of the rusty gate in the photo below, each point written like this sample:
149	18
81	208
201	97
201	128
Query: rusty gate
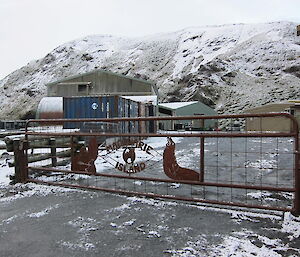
230	162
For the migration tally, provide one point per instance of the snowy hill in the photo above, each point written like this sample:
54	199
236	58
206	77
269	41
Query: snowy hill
230	67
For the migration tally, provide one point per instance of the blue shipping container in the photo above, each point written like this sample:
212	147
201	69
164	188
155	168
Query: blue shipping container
88	107
108	107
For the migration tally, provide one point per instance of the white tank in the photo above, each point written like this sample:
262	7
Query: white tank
50	108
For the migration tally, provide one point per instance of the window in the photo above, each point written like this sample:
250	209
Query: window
82	88
165	111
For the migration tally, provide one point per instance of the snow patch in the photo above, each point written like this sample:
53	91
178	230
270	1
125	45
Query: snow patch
291	225
266	165
31	189
42	212
153	234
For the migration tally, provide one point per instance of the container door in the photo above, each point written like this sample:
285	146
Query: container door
69	112
151	123
127	114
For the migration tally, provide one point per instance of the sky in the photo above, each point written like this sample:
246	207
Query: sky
29	29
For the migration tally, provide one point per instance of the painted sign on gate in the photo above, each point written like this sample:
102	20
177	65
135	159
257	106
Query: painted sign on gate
134	154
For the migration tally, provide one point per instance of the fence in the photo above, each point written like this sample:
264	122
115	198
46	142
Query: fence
254	169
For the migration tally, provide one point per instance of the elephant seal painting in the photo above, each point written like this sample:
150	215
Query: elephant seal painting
171	167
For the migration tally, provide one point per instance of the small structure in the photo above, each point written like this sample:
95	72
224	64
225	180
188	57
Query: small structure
186	109
273	123
12	124
100	82
50	108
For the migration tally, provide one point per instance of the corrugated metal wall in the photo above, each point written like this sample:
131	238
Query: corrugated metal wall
89	107
133	112
106	107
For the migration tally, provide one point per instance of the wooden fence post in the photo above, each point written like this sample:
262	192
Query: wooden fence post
53	152
21	172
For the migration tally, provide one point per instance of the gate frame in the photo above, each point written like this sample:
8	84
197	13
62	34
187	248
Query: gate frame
294	133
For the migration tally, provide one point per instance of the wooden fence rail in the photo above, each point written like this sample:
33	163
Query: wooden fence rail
59	147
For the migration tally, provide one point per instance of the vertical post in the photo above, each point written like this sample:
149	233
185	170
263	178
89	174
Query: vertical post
296	208
53	152
72	152
21	172
202	159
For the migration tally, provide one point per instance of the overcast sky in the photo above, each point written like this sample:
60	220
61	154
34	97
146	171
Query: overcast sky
29	29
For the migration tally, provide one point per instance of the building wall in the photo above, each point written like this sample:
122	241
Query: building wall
191	110
101	82
197	109
165	124
281	124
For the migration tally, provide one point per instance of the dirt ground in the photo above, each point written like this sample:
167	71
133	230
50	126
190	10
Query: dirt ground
51	221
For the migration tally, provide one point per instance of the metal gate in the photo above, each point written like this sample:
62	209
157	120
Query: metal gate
231	163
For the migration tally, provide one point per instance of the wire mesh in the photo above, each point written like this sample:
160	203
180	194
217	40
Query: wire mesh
242	164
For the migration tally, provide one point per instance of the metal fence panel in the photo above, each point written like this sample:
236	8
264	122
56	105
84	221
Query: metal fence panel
256	169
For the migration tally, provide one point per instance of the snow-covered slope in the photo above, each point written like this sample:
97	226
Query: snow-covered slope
230	67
